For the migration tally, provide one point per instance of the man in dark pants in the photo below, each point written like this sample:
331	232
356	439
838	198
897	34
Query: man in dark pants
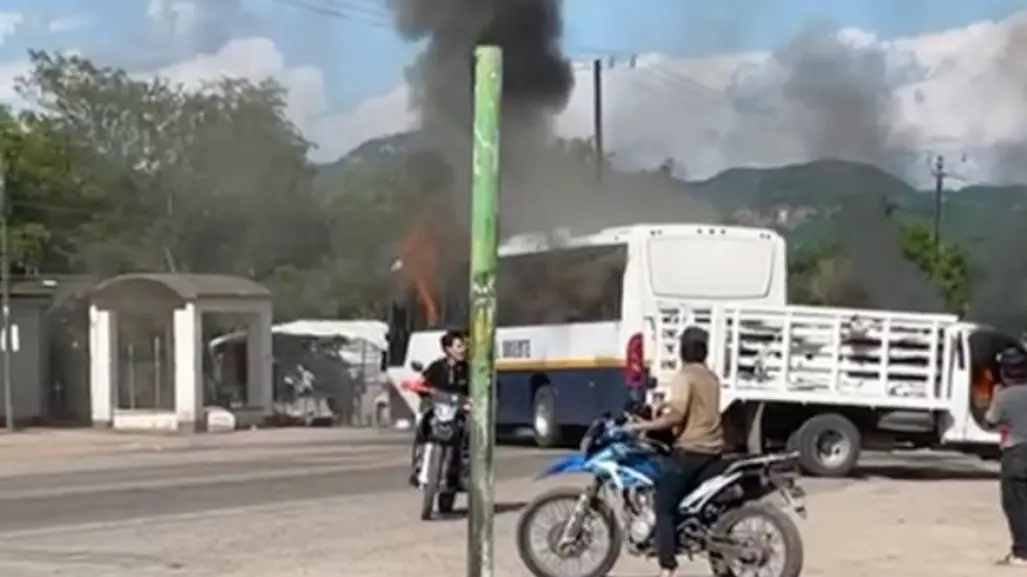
691	410
1008	413
448	374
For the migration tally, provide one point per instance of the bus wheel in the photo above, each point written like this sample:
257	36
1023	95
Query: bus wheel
543	418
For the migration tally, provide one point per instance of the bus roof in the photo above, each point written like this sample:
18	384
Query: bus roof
540	241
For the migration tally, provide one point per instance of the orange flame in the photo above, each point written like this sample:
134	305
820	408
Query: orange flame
419	257
983	389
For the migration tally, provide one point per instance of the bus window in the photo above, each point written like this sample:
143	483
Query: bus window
574	285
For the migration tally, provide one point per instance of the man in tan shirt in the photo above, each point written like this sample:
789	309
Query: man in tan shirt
691	410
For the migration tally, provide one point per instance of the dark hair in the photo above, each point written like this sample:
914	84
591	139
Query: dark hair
1012	364
694	345
449	337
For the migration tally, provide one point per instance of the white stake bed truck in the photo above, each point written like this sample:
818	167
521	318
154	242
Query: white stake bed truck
828	382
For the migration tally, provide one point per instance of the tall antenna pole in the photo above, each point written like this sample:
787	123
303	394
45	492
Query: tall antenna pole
597	115
939	187
5	289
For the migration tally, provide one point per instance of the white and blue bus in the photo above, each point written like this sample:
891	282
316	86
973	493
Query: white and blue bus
576	314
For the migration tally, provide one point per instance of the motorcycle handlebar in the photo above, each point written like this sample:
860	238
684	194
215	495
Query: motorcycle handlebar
449	397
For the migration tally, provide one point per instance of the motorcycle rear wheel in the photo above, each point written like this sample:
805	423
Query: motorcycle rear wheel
772	516
603	514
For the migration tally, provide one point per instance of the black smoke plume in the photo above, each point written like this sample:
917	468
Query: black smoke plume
537	80
828	98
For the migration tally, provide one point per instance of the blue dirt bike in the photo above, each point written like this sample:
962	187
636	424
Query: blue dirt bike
564	527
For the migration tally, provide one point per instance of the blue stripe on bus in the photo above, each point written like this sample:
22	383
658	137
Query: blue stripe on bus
581	394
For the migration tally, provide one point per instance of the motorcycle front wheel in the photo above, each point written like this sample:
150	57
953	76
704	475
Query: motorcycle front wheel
542	542
432	466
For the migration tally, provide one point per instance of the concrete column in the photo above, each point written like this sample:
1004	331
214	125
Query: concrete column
188	369
259	359
103	370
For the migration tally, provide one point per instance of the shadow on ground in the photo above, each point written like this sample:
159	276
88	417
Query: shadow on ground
922	473
498	509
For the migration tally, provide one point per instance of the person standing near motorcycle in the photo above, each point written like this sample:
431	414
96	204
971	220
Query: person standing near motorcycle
1008	414
447	374
691	411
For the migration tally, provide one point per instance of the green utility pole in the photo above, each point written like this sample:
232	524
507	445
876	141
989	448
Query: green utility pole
488	89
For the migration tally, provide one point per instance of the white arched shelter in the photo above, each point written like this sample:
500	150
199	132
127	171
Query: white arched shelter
179	301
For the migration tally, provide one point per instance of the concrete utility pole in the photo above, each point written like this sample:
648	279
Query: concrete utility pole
5	289
597	115
488	90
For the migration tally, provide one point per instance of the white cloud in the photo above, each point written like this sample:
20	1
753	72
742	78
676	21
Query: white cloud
658	107
9	74
10	71
257	59
67	23
172	18
9	23
335	133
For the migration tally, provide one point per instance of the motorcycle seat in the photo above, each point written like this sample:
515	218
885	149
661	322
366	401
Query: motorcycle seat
732	463
711	470
780	461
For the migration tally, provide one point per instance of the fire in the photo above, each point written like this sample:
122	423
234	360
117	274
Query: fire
982	389
419	257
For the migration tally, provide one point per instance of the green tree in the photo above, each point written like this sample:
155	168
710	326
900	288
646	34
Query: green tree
36	177
945	264
209	180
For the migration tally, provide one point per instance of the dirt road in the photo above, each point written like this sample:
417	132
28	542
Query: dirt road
332	504
872	528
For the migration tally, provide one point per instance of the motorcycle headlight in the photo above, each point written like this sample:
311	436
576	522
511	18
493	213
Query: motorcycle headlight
445	413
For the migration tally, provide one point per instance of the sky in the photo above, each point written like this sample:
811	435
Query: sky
351	41
337	54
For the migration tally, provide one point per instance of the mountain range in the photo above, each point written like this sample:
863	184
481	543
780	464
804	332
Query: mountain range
795	199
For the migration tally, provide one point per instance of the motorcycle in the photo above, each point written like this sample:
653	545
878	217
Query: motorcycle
442	469
728	497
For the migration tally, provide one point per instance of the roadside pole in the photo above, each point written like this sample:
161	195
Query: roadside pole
488	74
5	297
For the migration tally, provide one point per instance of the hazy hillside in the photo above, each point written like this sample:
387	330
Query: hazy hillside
798	200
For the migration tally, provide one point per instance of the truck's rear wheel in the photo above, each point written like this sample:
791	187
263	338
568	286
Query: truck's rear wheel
828	445
543	418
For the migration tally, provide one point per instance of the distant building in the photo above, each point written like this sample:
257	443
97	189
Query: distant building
50	350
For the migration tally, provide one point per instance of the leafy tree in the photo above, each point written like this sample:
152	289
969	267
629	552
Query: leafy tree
36	178
208	180
945	264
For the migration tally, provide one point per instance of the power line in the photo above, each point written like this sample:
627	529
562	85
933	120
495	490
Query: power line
343	11
664	76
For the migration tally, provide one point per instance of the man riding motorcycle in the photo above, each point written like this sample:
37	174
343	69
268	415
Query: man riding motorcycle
447	374
691	412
